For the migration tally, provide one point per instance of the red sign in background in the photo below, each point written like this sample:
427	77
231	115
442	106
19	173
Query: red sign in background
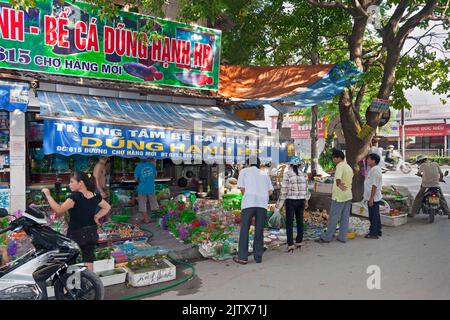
427	130
298	131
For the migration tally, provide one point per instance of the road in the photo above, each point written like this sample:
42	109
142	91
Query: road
413	182
413	261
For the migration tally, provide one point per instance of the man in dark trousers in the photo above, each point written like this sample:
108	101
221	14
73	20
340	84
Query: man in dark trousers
256	188
372	194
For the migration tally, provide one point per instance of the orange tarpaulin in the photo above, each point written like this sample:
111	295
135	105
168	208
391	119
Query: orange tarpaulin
256	82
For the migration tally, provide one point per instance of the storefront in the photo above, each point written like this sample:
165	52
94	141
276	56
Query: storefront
191	144
13	101
129	55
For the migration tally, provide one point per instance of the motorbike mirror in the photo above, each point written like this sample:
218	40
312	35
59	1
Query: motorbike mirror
3	213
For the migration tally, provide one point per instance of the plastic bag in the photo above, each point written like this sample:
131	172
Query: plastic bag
276	220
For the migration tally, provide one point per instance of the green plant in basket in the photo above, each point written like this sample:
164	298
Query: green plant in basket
198	234
103	253
152	263
187	216
4	222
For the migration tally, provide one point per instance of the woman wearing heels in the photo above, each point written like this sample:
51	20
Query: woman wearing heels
295	194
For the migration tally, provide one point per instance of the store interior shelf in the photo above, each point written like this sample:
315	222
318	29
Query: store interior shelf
41	186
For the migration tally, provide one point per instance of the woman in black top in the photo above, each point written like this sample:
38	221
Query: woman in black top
82	206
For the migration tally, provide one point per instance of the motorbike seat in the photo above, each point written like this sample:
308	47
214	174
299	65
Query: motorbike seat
432	189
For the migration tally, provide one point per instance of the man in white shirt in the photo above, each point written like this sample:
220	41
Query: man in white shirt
372	194
256	188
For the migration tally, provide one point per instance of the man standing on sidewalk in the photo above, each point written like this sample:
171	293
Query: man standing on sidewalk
145	174
372	194
256	188
341	203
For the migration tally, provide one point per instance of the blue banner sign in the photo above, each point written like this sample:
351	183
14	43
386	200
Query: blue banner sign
92	138
14	95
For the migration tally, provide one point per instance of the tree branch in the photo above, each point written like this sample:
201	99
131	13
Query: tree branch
358	8
360	96
444	18
371	60
415	20
418	39
389	30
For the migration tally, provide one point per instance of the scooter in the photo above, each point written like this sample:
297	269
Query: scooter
52	259
401	165
431	202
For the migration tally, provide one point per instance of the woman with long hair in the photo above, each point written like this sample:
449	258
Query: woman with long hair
82	205
295	194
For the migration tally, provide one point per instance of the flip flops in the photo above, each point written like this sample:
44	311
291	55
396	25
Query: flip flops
237	260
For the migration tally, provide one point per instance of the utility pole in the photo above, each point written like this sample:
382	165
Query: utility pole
403	133
314	140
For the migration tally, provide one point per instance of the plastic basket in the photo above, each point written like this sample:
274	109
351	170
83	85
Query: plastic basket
361	209
394	221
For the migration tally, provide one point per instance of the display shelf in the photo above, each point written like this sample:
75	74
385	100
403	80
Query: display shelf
34	187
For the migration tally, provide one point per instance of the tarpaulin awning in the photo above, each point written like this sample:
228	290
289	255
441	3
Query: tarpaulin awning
88	125
304	85
137	112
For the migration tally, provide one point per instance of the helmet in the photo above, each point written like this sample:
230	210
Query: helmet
421	158
391	147
295	161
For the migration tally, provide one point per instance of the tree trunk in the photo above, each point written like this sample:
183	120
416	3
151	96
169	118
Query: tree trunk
314	132
356	149
314	141
279	126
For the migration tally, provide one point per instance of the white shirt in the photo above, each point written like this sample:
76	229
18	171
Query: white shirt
257	185
374	178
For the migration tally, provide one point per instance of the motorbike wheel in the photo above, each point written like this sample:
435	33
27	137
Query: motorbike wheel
91	288
431	215
406	168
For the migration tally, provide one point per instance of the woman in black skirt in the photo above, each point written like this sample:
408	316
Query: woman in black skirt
82	205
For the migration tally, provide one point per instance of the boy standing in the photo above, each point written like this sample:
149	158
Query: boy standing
372	194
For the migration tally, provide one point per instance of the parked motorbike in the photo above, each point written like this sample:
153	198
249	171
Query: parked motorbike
52	259
431	202
401	165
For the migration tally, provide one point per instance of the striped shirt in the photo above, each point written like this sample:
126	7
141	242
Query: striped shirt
294	187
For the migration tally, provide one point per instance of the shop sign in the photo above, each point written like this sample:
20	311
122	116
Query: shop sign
427	130
70	38
86	138
379	105
13	95
299	131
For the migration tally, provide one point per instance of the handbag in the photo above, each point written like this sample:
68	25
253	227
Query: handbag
84	236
